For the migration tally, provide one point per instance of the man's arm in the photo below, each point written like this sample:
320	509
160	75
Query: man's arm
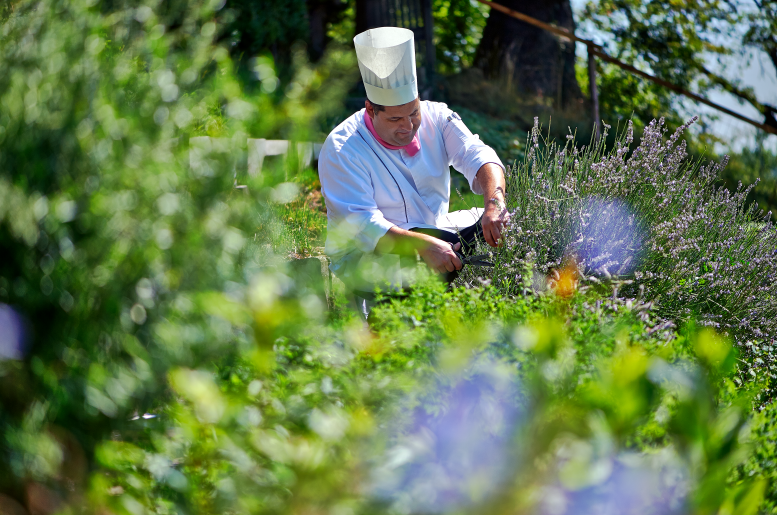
436	253
492	181
481	166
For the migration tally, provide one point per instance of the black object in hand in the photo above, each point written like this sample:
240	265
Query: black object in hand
479	260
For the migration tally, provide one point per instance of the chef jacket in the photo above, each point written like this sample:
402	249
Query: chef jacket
369	188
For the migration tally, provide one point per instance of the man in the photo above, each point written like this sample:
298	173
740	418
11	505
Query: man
385	175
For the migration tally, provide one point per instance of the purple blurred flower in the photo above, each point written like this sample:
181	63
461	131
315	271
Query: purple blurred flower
609	237
459	456
630	485
13	334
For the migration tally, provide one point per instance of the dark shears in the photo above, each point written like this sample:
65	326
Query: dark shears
479	260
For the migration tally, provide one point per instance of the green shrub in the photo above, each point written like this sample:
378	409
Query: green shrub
501	135
450	389
763	462
652	218
757	166
118	256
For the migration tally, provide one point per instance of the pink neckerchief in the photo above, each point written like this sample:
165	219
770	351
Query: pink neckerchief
411	148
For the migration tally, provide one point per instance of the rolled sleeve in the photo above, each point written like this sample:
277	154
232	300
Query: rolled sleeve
466	151
353	217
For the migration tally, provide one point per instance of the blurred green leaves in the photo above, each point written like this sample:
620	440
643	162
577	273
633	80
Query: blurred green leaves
175	363
124	260
458	25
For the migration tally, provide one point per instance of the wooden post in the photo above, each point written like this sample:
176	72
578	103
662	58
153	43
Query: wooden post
593	89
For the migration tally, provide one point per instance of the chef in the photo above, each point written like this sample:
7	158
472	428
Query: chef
385	176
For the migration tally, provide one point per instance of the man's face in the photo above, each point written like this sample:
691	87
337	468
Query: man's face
396	125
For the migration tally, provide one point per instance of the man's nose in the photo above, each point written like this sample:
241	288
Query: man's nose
406	124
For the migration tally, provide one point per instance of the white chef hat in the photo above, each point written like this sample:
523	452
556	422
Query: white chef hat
387	62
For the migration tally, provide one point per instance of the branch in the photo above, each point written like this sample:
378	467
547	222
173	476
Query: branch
768	111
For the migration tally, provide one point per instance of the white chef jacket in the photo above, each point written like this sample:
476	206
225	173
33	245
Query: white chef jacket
369	188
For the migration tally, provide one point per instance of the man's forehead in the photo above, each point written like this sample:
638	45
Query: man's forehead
402	110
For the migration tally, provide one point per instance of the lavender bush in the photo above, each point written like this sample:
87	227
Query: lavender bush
650	221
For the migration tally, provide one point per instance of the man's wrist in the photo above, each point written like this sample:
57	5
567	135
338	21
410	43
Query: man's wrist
496	202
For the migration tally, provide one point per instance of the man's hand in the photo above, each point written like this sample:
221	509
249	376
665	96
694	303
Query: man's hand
493	222
436	253
440	256
492	181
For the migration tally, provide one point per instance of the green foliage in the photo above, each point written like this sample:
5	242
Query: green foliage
298	227
650	216
254	28
108	234
677	41
758	166
261	25
6	10
343	30
458	25
624	96
463	198
596	382
762	26
669	40
501	135
763	462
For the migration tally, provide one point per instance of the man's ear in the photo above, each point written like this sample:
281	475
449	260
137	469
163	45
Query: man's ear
370	109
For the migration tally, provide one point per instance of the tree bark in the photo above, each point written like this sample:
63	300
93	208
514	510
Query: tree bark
528	58
368	14
320	14
317	18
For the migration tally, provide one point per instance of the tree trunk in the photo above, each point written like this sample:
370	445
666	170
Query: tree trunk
528	58
317	23
320	14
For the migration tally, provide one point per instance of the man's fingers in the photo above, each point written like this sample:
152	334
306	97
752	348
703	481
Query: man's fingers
450	264
488	235
441	266
457	264
497	234
492	234
453	258
445	259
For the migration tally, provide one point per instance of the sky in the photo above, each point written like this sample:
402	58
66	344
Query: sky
755	71
760	74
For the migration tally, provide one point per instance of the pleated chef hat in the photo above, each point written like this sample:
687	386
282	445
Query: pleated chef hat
387	62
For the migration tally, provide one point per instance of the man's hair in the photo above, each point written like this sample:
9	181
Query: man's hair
376	107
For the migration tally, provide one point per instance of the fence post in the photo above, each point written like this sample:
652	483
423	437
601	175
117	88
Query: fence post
593	89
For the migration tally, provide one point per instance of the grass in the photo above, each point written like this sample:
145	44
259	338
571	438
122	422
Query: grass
295	223
461	200
304	225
